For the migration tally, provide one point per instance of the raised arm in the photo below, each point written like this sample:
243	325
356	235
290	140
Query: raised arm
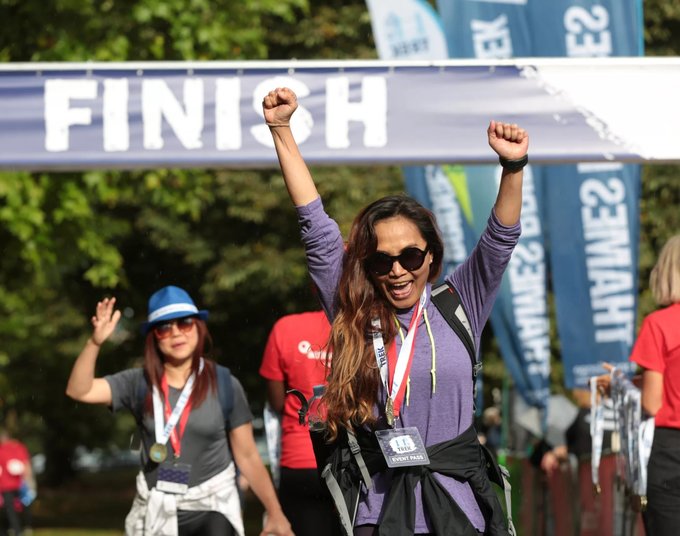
511	143
278	106
82	384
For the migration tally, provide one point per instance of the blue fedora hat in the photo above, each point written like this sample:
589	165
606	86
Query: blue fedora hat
168	303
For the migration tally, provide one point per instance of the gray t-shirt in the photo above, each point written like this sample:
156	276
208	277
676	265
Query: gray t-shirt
204	442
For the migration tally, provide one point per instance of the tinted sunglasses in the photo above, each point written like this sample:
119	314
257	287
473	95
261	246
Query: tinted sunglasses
164	329
410	259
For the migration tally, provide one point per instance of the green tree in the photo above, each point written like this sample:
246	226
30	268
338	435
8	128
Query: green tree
660	183
228	236
662	27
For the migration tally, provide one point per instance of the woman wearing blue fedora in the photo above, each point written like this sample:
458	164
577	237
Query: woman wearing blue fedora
183	404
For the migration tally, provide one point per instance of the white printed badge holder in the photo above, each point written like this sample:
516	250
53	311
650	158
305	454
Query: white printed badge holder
402	447
173	477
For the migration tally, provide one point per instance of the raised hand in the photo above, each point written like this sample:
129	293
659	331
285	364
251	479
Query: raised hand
104	321
508	140
278	106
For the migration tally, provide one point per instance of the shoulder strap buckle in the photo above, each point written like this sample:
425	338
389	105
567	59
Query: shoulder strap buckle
476	369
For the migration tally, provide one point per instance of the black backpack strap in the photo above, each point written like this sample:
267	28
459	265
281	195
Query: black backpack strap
225	392
448	302
140	399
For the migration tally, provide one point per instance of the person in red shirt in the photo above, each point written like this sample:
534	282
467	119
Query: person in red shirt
657	351
296	357
15	468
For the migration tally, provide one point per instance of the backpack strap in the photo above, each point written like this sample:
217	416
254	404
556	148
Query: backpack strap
448	302
355	449
346	512
140	397
225	392
346	521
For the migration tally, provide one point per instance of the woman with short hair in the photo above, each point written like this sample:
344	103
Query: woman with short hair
657	352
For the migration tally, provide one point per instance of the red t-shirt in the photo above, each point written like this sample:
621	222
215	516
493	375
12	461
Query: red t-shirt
13	460
296	355
657	348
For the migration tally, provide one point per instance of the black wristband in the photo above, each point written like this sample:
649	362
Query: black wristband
514	165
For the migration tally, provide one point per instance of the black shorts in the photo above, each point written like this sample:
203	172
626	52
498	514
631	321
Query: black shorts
203	524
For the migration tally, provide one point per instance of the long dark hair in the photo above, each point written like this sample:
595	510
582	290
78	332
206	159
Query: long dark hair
206	381
354	378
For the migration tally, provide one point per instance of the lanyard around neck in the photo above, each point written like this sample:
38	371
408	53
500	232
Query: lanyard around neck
433	352
394	371
162	411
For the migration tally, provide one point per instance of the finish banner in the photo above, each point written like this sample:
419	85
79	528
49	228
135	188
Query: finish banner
593	209
208	114
500	30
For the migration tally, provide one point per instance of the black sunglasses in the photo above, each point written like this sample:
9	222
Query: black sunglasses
410	259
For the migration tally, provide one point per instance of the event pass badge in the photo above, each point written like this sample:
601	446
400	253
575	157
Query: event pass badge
173	477
402	447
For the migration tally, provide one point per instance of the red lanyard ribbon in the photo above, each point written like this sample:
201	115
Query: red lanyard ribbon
392	364
177	431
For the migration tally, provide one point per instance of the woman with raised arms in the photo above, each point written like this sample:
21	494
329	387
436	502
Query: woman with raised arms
400	375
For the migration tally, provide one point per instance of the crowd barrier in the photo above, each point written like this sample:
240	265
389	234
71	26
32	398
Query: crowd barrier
565	504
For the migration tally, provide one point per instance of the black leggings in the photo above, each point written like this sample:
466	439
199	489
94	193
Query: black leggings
13	517
307	504
372	530
662	515
203	524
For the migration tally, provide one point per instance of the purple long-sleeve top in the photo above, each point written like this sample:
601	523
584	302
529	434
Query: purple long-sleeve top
444	413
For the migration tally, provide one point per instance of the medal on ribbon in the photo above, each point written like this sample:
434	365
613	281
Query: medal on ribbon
389	411
394	369
158	453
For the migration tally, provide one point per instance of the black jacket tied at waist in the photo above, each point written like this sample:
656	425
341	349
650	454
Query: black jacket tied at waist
462	458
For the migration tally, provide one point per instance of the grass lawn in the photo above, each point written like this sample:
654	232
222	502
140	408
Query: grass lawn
76	532
95	504
91	502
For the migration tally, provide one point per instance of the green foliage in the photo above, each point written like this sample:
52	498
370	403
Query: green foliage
229	236
659	220
662	27
136	30
329	30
